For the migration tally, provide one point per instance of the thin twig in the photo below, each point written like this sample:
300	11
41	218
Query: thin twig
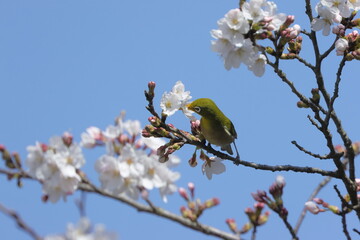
253	234
325	157
316	191
20	222
162	213
303	61
290	228
343	201
357	231
344	225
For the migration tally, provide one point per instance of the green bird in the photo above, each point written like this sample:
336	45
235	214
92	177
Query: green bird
216	128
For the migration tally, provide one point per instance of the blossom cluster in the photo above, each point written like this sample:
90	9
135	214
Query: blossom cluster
56	165
85	231
241	27
332	11
131	163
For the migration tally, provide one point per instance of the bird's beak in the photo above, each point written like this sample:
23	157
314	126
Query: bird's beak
188	106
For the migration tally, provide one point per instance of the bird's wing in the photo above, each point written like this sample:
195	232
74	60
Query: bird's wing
231	131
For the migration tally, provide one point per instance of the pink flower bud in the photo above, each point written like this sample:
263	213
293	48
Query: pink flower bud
183	194
191	187
312	207
232	225
44	147
357	181
2	148
318	200
259	205
67	139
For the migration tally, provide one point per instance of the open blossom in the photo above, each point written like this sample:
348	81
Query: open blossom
328	16
175	100
133	127
232	41
133	169
91	137
213	166
258	66
85	231
55	165
354	4
341	7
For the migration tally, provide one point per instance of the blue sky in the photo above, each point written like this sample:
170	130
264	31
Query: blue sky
68	65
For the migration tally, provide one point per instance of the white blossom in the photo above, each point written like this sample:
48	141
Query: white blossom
55	165
112	132
253	10
341	7
328	16
236	21
354	4
132	169
83	230
133	127
341	45
175	100
244	54
214	166
258	66
91	137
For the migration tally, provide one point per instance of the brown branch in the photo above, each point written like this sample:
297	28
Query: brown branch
276	168
344	224
325	157
290	228
88	187
20	222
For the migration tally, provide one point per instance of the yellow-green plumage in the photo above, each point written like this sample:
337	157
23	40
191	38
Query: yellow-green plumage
216	128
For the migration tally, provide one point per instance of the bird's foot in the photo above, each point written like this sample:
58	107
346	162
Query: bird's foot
237	160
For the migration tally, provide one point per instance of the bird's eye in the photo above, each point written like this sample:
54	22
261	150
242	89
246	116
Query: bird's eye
197	109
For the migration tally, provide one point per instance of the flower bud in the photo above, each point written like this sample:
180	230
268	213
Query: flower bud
263	218
232	225
192	160
154	121
357	181
301	104
334	209
67	139
17	159
183	194
318	200
191	187
211	203
312	207
151	92
260	196
246	228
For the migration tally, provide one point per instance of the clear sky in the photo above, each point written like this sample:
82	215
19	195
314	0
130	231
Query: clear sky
67	65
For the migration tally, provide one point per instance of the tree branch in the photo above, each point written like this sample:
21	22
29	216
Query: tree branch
20	222
88	187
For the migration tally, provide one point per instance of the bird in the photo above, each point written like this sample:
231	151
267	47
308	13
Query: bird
216	128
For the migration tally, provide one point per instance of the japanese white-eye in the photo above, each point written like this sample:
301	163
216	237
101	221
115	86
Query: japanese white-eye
216	128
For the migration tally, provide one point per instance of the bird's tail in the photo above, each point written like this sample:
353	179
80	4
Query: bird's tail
228	149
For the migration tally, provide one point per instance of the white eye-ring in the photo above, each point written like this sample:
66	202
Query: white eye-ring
197	109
